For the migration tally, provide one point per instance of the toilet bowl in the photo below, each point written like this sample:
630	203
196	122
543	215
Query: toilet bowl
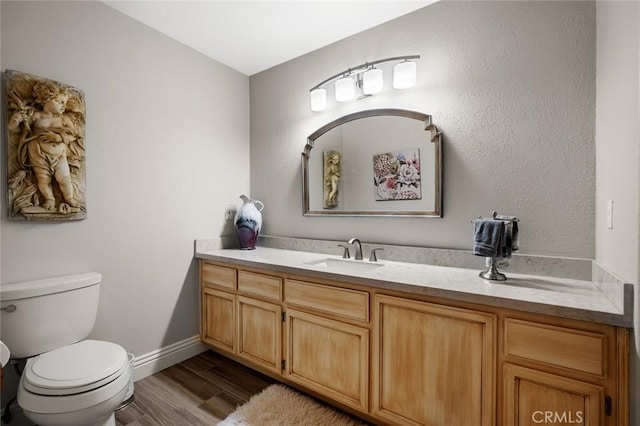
67	381
79	384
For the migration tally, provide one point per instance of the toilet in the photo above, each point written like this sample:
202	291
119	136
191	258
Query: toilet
67	380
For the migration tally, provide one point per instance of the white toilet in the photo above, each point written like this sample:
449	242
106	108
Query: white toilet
67	380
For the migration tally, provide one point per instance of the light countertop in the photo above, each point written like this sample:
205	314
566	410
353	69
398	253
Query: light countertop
563	297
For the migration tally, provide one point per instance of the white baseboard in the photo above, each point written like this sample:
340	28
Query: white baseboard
152	362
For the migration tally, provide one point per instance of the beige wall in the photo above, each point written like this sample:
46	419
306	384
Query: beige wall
167	143
512	87
618	154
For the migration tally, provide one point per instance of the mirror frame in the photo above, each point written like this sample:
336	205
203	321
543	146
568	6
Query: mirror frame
435	137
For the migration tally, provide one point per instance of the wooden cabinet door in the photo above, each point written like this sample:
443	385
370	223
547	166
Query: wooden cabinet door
533	397
433	364
218	319
260	333
329	357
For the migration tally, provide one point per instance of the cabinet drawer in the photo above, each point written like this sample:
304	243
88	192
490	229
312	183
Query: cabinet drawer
219	276
266	286
557	346
342	302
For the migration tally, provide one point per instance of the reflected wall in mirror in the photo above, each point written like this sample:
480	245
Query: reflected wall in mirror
383	162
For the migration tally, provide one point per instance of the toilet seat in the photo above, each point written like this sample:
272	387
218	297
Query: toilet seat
77	368
53	383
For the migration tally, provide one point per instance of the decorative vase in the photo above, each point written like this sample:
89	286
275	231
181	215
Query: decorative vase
248	222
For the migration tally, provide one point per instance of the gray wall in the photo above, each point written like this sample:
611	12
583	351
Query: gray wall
167	142
512	87
618	155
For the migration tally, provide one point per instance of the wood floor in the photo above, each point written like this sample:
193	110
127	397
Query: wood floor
202	390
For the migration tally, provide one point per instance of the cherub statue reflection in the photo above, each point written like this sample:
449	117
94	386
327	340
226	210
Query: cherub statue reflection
331	178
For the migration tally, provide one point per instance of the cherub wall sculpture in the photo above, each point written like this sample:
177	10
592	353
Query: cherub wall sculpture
46	149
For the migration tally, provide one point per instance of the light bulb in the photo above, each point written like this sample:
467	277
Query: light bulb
345	89
372	81
404	75
318	99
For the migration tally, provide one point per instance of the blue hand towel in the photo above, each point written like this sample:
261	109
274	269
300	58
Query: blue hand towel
507	239
488	237
515	241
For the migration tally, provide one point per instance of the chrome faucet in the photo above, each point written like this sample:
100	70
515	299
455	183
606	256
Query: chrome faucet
358	245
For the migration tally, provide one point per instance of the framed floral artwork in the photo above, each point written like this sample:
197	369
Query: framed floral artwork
396	175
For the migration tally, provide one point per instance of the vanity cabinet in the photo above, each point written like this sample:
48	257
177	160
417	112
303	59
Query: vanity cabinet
535	397
403	359
325	353
218	319
569	373
218	306
260	333
242	314
259	323
433	364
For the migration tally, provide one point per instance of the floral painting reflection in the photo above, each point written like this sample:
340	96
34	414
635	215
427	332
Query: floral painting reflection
396	175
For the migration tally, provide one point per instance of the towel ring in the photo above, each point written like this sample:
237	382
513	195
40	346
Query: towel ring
492	273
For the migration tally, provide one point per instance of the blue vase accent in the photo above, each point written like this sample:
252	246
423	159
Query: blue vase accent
248	222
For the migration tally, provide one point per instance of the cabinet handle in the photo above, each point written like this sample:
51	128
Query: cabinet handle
607	405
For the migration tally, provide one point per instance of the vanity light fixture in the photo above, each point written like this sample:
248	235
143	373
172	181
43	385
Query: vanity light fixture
318	99
345	89
372	81
404	75
367	79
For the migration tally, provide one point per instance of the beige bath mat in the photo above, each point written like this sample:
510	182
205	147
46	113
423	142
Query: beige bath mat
279	405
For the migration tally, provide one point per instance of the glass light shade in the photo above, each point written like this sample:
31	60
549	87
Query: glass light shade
372	81
318	99
404	75
345	89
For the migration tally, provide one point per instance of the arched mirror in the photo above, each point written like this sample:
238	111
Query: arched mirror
383	162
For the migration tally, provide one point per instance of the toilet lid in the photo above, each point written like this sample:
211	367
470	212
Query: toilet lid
75	368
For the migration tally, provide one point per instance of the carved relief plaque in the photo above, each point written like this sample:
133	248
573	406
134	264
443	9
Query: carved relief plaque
46	149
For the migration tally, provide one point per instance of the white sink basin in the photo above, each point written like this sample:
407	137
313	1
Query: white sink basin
345	265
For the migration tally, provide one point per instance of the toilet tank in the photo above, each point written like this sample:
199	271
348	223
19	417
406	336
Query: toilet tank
42	315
